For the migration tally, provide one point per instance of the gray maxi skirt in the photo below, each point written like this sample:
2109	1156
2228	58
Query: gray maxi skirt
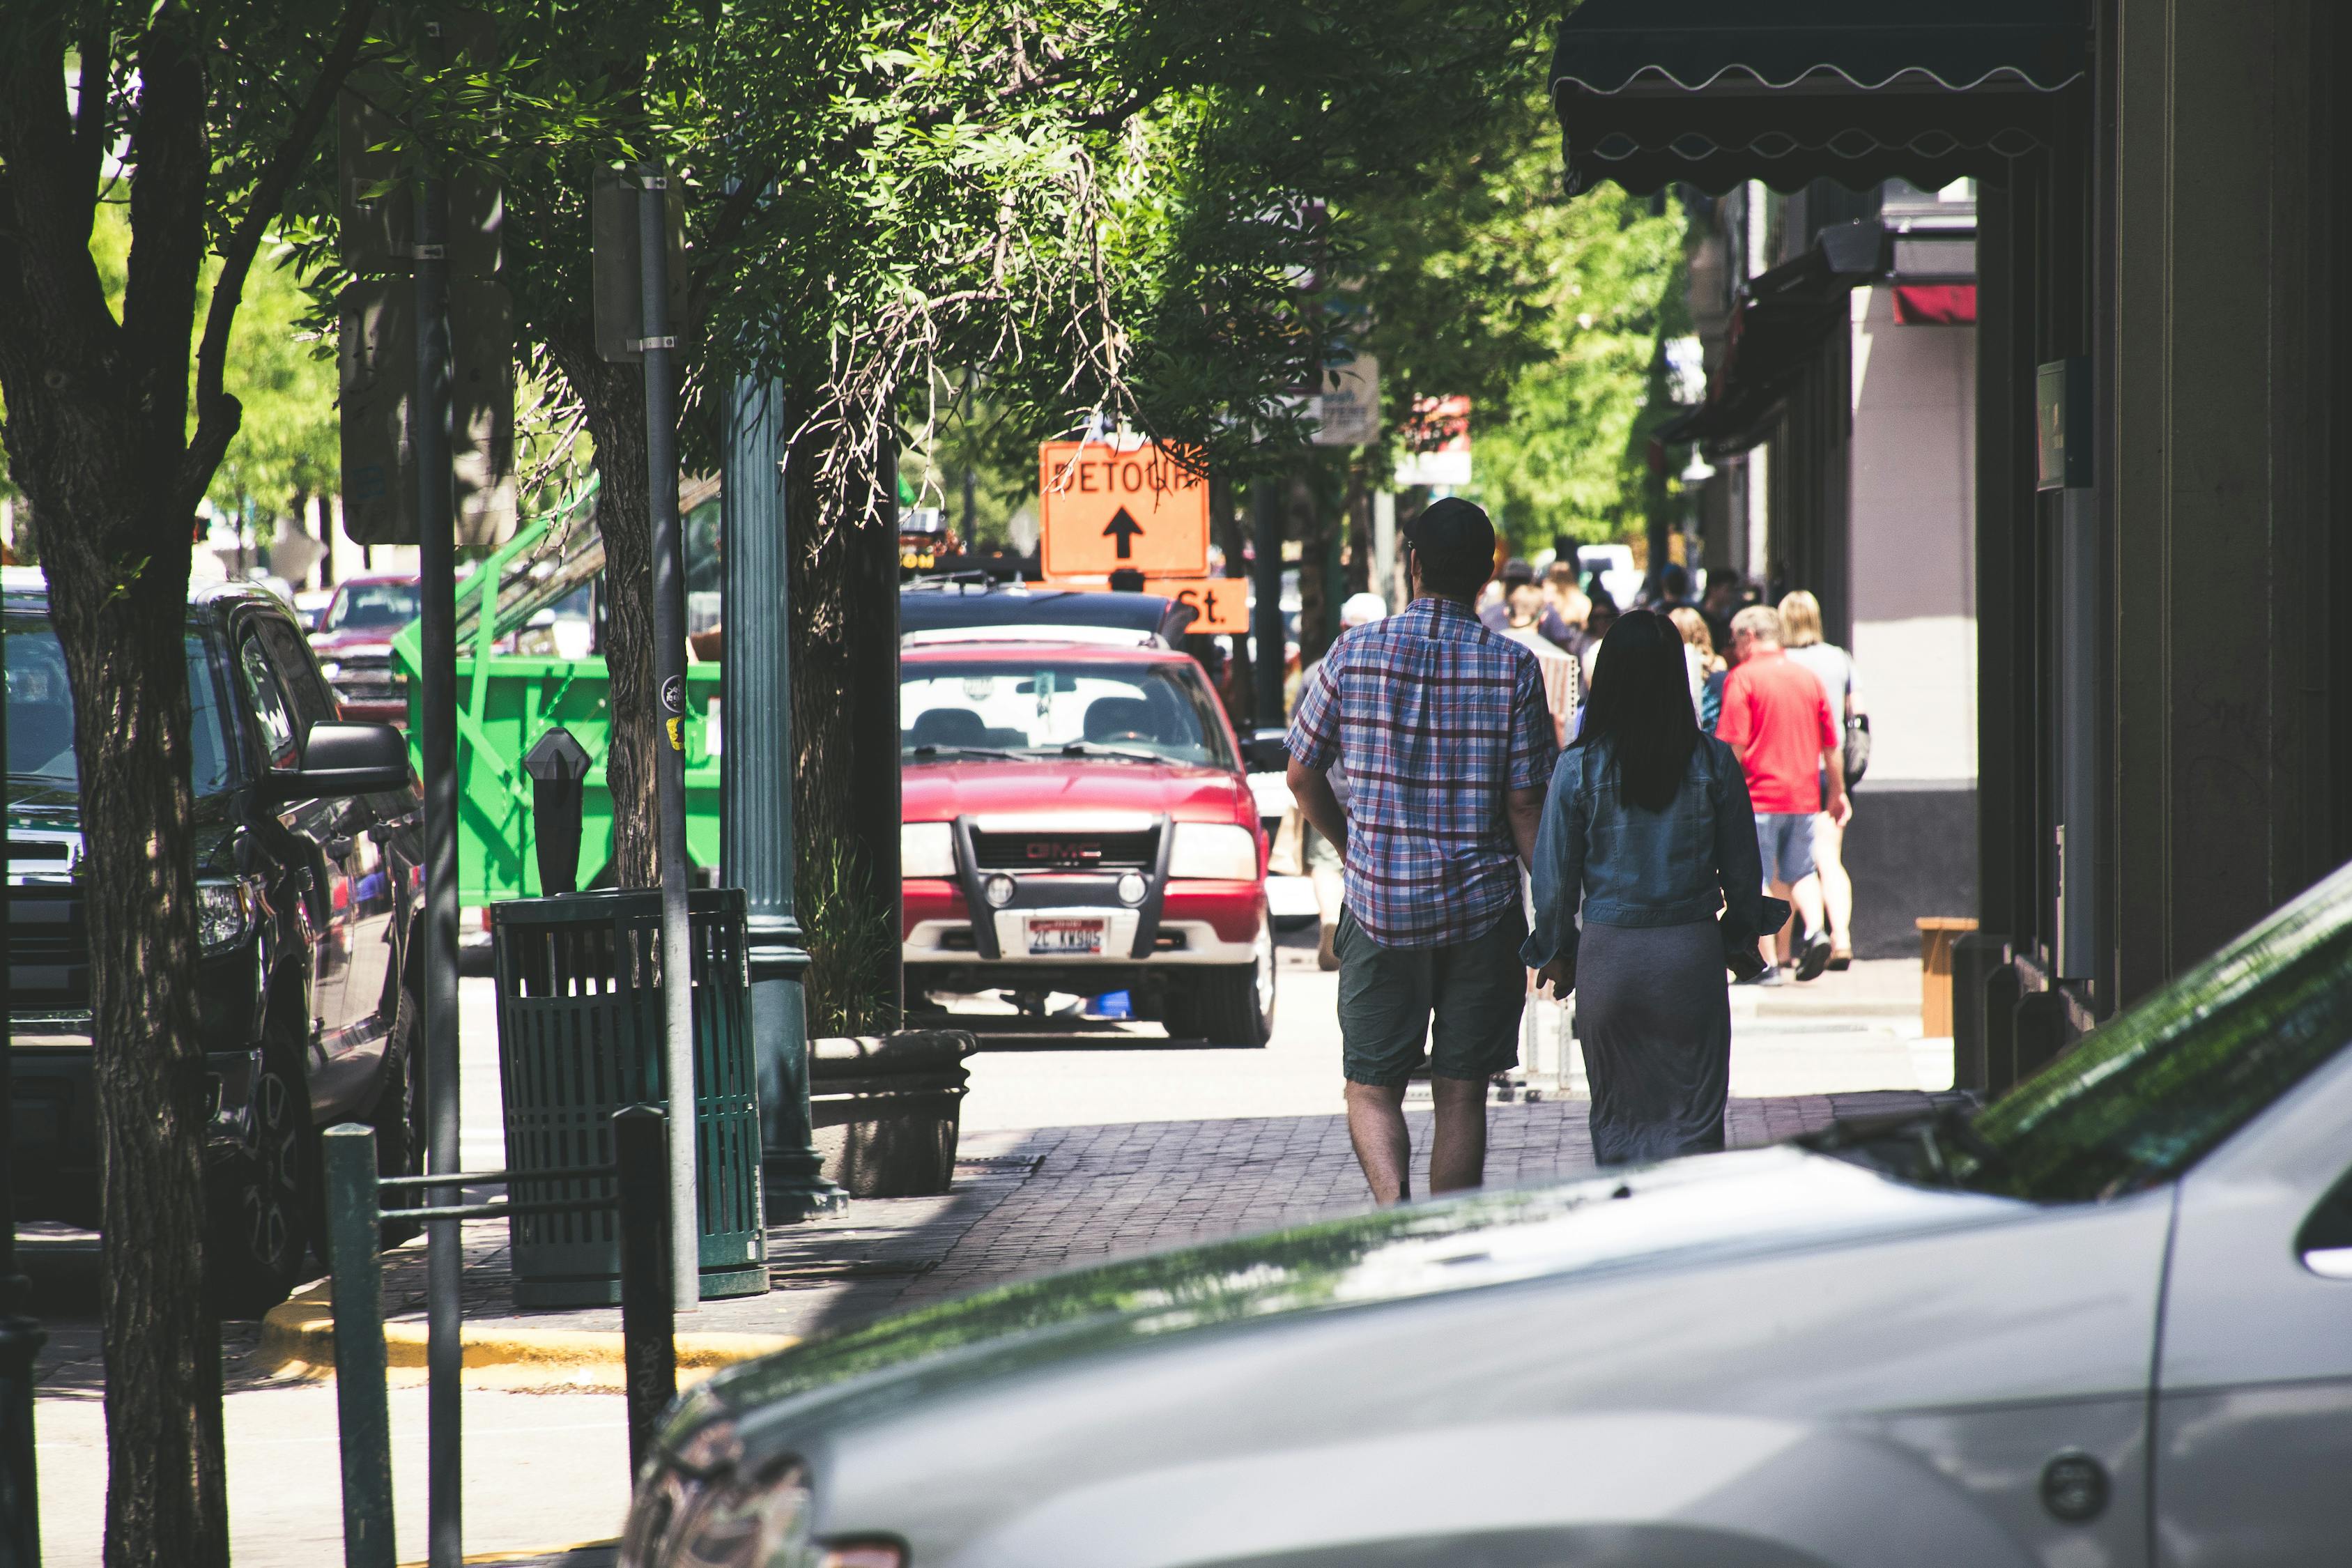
1654	1013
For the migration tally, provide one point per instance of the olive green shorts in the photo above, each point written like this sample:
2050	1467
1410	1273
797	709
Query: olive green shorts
1473	992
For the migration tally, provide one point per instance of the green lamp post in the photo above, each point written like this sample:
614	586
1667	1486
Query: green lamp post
756	790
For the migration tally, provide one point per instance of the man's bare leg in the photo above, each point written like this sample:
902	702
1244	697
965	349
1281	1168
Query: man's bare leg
1457	1152
1376	1126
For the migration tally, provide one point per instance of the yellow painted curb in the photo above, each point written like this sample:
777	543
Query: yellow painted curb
526	1551
298	1337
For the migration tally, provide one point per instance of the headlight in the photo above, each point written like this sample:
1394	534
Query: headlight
1205	849
745	1523
682	1520
926	849
224	912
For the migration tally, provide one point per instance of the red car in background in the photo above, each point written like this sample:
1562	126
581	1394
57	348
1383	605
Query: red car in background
354	643
1077	819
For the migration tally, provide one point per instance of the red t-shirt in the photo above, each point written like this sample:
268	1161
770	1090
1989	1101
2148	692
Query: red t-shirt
1777	718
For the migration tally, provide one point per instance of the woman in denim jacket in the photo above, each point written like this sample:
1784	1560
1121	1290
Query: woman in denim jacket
1648	827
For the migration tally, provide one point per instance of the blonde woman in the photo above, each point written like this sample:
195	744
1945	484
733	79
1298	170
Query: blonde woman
1800	623
1706	666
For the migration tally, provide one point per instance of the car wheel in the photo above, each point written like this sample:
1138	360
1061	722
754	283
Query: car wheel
399	1120
1231	1006
264	1212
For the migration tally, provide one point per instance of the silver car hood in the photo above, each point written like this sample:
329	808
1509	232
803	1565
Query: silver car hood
1683	1214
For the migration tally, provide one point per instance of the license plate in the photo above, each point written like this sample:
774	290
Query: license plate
1061	938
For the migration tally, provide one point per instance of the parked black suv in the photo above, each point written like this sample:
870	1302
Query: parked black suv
307	856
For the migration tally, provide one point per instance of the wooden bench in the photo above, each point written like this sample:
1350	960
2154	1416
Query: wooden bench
1937	935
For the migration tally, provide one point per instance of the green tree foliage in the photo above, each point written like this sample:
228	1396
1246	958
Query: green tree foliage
1480	277
286	445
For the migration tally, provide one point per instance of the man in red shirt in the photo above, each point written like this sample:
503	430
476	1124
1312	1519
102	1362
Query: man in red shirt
1777	718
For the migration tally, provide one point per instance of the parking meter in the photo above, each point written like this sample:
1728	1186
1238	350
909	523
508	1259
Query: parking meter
558	766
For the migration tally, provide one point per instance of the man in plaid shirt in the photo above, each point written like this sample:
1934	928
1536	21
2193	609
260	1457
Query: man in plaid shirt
1448	745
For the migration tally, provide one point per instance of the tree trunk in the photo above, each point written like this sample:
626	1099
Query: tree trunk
1360	530
843	590
1231	531
98	441
1316	530
118	595
614	398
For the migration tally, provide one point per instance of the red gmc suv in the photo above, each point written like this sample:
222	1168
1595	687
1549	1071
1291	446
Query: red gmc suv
1077	820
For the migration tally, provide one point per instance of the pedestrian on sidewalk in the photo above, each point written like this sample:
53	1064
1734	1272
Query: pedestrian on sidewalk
1523	601
1448	745
1800	623
1562	671
1569	601
1648	830
1777	718
1322	854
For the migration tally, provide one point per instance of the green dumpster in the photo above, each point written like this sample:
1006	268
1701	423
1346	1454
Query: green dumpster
580	1037
507	700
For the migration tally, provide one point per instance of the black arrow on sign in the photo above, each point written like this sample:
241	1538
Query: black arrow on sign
1124	529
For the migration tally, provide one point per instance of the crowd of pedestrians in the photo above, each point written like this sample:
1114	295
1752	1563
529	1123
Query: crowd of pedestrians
1672	779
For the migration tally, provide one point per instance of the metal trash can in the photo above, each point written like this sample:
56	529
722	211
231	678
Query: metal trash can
580	1029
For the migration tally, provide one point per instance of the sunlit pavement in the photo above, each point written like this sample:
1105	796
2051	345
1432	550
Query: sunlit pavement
1843	1033
1078	1146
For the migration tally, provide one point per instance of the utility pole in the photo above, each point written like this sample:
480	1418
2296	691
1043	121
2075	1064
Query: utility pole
756	790
669	765
437	717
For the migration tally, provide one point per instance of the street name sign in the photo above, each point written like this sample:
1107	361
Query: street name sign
1103	507
1221	605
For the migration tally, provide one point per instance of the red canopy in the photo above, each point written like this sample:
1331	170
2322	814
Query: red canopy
1935	304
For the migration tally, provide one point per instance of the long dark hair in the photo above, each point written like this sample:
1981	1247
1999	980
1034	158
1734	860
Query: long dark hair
1641	705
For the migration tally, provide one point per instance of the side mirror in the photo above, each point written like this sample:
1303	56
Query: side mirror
1265	752
344	759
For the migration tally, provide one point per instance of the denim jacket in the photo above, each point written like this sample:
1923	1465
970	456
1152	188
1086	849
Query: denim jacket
1629	867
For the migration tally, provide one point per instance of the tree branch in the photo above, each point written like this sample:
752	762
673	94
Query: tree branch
97	85
236	257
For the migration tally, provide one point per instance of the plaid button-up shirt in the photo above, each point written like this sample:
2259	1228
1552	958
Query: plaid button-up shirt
1437	719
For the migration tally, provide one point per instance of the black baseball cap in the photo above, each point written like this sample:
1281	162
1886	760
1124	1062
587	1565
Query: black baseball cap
1454	536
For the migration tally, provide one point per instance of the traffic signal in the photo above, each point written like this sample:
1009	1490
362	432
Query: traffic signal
377	211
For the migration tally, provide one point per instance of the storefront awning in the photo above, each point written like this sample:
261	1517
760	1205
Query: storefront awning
1783	318
1713	92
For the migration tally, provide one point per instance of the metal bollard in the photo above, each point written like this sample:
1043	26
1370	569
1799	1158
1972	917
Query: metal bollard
20	1493
364	1418
649	1319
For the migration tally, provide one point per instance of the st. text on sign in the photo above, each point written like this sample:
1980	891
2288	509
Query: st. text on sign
1103	509
1220	605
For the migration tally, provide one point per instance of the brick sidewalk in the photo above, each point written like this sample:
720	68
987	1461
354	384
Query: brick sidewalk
1028	1202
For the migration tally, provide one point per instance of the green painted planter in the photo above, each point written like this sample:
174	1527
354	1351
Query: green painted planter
580	1024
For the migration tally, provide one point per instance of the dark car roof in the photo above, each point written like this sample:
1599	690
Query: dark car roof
953	607
24	593
1028	651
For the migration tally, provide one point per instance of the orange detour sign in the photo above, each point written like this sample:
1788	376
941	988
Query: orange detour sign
1102	509
1220	605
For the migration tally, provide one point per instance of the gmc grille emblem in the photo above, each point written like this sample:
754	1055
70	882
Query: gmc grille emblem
1046	851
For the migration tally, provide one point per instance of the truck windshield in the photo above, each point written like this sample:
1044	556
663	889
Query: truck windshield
2162	1084
1076	706
40	712
371	607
